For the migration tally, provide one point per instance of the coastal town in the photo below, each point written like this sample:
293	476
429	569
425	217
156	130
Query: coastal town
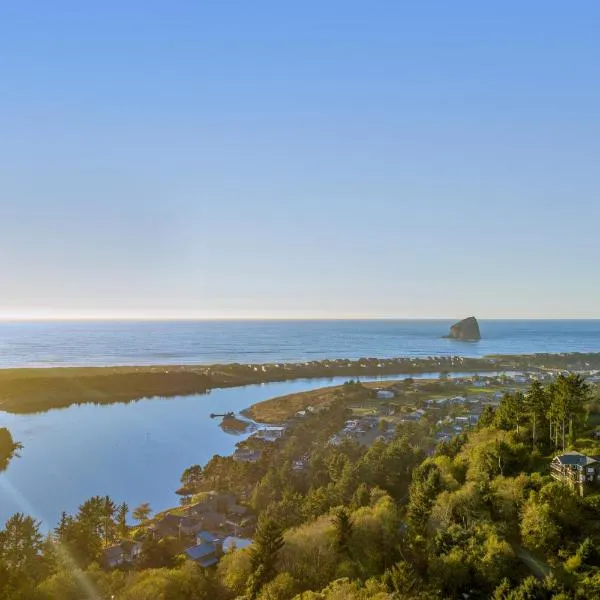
210	523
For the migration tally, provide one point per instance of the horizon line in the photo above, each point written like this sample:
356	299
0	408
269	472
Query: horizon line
157	318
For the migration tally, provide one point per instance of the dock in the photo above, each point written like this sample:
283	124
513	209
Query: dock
215	415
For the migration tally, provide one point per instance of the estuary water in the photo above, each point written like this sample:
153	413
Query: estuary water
133	452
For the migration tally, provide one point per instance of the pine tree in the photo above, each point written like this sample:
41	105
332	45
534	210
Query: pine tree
537	403
343	532
265	547
108	523
424	488
122	511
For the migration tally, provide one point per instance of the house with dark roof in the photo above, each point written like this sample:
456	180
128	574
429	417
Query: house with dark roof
207	551
205	555
205	537
576	470
119	554
175	525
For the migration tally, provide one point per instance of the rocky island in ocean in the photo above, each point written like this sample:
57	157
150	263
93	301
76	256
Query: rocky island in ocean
466	330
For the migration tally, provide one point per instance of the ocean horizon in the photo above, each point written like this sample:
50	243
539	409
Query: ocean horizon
137	342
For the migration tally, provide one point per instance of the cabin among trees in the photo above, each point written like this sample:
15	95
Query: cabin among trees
577	470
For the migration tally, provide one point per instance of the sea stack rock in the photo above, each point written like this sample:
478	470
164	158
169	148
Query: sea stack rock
467	330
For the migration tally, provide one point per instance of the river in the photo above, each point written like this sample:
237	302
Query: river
133	452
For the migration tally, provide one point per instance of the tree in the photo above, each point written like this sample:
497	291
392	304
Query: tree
539	531
158	553
568	393
537	404
425	486
234	570
486	418
79	537
284	586
108	522
263	552
361	497
21	562
192	478
8	448
402	579
510	412
342	532
122	511
142	512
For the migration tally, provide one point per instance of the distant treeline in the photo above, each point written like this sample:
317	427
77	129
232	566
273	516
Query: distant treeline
34	390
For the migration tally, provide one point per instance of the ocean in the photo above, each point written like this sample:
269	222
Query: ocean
100	343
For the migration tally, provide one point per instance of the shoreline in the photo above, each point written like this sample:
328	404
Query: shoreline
30	390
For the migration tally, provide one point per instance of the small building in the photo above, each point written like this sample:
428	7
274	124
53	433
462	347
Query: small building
119	554
205	537
575	470
270	433
176	525
384	394
204	554
247	455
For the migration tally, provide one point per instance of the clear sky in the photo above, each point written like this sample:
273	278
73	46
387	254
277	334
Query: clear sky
329	158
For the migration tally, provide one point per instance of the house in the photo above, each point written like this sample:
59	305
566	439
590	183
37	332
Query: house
416	415
271	433
247	455
174	526
125	552
204	554
576	470
205	537
458	400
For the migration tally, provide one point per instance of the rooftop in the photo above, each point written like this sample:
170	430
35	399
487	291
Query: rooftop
201	551
574	458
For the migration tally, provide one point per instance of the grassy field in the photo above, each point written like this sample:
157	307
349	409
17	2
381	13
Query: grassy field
283	408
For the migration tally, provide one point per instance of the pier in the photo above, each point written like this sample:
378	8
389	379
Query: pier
215	415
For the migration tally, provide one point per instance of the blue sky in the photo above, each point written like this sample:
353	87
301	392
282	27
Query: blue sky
299	159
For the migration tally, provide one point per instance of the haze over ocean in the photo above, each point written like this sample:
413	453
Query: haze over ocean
99	343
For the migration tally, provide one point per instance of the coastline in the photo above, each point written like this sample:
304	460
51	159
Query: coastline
30	390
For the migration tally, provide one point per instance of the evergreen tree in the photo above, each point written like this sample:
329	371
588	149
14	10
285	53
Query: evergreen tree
487	417
122	511
342	532
362	496
108	522
265	547
537	403
191	478
424	488
21	561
